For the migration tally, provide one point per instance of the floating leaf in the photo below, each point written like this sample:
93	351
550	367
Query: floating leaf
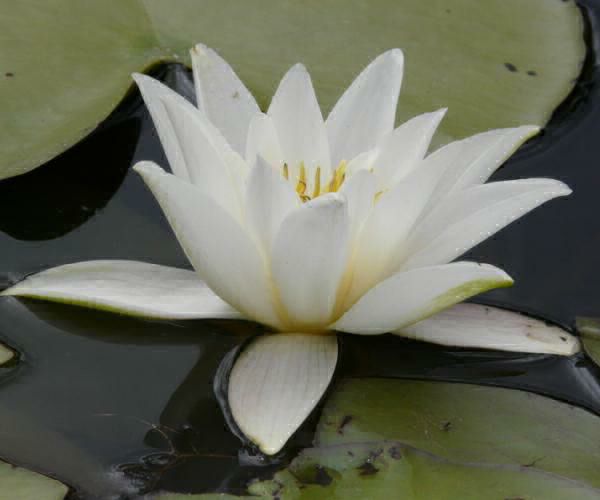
393	470
499	63
589	328
17	483
390	438
467	423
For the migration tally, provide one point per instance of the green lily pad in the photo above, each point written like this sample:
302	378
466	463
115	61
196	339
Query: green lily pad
390	438
589	329
17	483
64	66
392	470
467	423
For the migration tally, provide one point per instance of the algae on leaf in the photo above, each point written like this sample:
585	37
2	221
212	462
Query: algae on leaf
64	65
17	483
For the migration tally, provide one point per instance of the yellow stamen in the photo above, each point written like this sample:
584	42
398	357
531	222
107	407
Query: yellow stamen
317	189
286	171
301	186
338	177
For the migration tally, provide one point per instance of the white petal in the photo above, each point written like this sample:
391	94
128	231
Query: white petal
269	199
276	382
474	325
220	250
263	141
473	160
222	96
309	257
206	165
152	91
382	240
367	110
364	161
299	123
359	191
127	287
470	216
403	150
411	296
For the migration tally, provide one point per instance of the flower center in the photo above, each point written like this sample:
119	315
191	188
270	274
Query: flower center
317	189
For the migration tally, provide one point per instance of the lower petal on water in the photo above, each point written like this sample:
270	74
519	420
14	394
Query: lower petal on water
276	383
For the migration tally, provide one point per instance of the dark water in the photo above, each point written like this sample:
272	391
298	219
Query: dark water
116	407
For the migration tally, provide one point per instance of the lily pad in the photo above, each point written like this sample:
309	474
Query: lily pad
17	483
65	66
467	423
390	438
589	329
392	470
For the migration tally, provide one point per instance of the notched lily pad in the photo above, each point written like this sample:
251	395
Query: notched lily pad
494	64
17	483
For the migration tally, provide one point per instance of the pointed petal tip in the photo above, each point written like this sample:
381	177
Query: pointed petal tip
148	169
201	51
395	54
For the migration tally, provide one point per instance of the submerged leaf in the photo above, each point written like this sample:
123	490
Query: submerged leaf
522	63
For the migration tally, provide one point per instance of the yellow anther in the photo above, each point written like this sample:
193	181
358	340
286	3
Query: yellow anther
286	171
378	195
338	177
317	189
301	186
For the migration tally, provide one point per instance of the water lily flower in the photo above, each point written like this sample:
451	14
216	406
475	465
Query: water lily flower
312	226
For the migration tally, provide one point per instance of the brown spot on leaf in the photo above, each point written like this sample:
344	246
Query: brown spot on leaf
345	421
368	469
510	67
322	477
446	426
395	452
9	74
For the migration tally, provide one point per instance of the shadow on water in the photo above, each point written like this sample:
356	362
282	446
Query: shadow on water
116	406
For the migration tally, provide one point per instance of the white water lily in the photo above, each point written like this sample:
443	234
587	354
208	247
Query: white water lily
311	227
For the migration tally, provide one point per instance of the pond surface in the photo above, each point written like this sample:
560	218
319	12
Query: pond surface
116	407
